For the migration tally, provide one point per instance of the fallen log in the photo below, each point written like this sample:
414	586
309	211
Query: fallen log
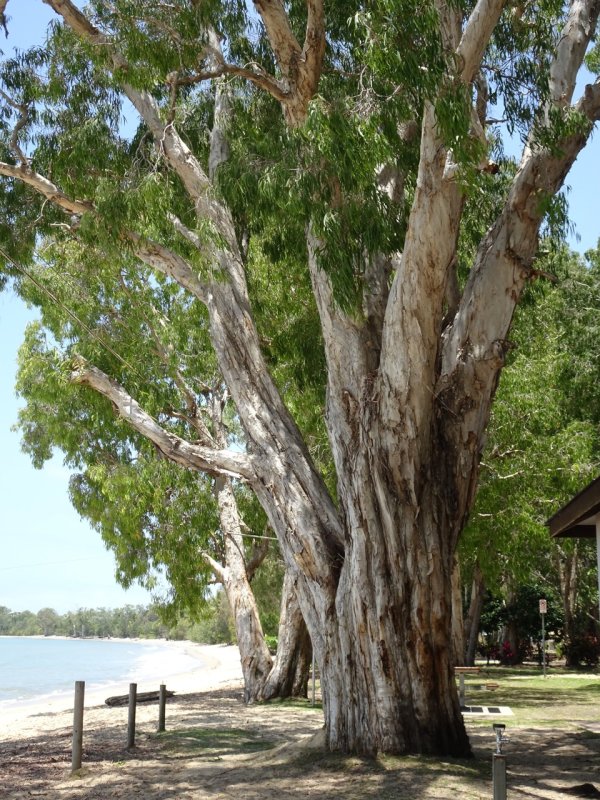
141	697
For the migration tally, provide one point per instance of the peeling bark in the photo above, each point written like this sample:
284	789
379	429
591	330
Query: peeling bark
458	629
254	654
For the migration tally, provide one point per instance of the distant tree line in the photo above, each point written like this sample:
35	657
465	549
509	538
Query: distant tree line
213	626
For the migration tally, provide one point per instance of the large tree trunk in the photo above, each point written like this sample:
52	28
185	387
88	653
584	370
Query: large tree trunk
387	671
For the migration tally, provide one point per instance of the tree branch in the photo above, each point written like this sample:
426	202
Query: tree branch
22	120
168	262
77	21
416	301
3	4
476	36
571	49
301	68
277	25
205	459
589	104
157	256
474	345
252	73
218	569
46	188
314	42
178	155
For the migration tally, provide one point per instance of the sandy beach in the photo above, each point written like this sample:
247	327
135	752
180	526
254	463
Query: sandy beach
218	667
36	737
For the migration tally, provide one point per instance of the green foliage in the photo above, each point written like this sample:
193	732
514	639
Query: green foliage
127	622
592	60
521	614
543	437
157	518
518	61
583	649
214	626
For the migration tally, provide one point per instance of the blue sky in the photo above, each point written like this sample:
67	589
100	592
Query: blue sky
49	556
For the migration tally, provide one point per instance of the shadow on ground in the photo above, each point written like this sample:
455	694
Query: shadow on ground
219	749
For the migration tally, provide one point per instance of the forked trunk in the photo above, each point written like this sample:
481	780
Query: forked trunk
289	676
266	678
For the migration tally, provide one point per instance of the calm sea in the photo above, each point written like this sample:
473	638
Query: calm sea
36	668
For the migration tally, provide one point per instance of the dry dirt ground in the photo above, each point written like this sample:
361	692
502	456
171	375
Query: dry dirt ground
217	748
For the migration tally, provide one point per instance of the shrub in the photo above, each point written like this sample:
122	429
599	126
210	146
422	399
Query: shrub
582	650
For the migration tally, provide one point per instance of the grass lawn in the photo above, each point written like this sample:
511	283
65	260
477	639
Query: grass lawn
564	698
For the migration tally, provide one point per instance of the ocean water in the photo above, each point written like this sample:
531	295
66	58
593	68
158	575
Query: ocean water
34	669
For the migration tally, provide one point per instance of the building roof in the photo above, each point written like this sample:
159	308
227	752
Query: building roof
578	517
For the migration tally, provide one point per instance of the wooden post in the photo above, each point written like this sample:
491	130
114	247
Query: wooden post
162	702
131	716
78	726
313	677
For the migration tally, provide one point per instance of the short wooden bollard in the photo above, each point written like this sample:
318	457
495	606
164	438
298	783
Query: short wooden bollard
131	716
78	726
162	702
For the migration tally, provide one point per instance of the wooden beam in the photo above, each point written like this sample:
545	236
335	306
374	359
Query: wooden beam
568	520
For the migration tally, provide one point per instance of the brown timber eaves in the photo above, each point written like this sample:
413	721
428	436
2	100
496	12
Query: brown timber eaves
577	517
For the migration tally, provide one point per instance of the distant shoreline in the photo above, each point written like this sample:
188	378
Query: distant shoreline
139	639
218	666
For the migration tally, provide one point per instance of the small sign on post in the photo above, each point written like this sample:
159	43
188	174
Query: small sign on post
543	610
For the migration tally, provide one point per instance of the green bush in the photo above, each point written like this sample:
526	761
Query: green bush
582	650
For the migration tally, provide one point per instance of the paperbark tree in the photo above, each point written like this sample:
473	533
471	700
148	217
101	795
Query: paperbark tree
413	353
